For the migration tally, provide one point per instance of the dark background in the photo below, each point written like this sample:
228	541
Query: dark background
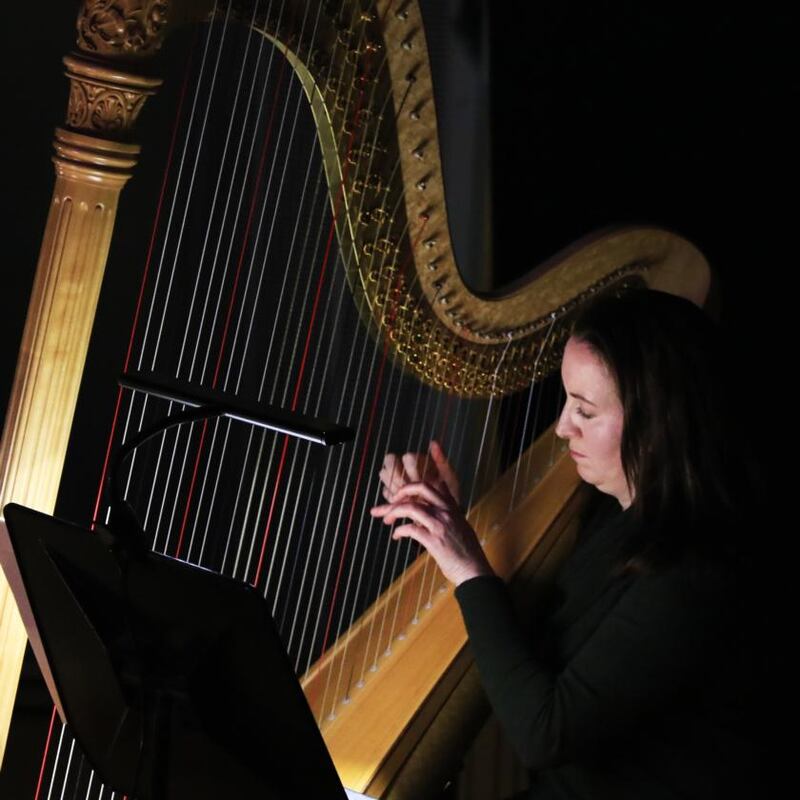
570	117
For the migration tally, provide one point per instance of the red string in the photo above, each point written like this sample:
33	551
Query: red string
298	383
295	398
44	756
231	302
360	474
367	437
447	404
389	322
148	260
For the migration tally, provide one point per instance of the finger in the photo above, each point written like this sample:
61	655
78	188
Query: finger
391	468
411	531
437	454
446	471
414	512
424	491
411	467
388	480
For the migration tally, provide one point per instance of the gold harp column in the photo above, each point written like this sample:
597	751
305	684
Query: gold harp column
92	164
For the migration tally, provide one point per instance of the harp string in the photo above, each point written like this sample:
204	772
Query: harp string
68	767
44	754
311	379
387	430
148	261
559	402
377	451
339	208
260	173
233	293
314	204
198	149
375	386
358	561
371	368
523	436
89	784
435	573
231	360
214	200
55	767
318	401
426	434
407	547
338	474
430	565
487	417
355	559
487	468
176	437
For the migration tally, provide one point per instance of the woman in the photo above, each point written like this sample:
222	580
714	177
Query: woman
636	685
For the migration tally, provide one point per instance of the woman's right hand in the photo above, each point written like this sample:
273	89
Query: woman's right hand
431	467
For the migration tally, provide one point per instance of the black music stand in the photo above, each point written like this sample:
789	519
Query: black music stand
172	678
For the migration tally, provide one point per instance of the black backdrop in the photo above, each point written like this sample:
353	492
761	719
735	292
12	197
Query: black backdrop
591	115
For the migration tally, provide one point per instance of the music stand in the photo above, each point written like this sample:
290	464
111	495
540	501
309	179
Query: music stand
172	678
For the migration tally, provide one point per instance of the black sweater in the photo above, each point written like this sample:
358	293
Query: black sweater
635	686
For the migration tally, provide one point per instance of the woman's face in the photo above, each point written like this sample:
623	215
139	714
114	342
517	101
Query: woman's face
592	420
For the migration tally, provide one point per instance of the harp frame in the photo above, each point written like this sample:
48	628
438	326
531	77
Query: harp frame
93	161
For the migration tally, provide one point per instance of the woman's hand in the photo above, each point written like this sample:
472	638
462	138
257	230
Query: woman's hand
439	525
432	468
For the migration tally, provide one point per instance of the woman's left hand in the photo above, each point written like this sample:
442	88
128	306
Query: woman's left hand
437	523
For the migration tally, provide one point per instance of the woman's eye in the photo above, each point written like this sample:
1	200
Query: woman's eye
581	413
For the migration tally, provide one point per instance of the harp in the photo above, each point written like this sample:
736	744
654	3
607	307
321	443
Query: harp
366	79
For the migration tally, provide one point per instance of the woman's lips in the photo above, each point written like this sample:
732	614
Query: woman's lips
576	454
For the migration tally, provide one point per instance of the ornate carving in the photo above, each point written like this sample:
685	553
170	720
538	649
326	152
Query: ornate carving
104	100
122	27
100	108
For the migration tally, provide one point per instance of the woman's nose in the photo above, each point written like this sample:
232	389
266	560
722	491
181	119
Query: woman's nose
563	428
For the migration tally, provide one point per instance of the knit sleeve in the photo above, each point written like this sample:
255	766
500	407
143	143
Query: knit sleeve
654	641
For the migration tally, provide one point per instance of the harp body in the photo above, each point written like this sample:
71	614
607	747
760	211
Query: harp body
368	83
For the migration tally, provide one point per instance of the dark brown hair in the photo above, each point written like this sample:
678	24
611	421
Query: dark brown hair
679	446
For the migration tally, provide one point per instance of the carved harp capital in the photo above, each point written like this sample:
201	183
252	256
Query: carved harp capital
103	99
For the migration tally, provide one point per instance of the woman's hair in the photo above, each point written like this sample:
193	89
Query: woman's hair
679	451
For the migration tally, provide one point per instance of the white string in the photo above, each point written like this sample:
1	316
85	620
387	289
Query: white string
365	523
260	504
222	163
190	191
158	271
201	495
66	774
488	415
265	257
89	787
435	573
55	762
182	227
298	495
359	372
528	410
